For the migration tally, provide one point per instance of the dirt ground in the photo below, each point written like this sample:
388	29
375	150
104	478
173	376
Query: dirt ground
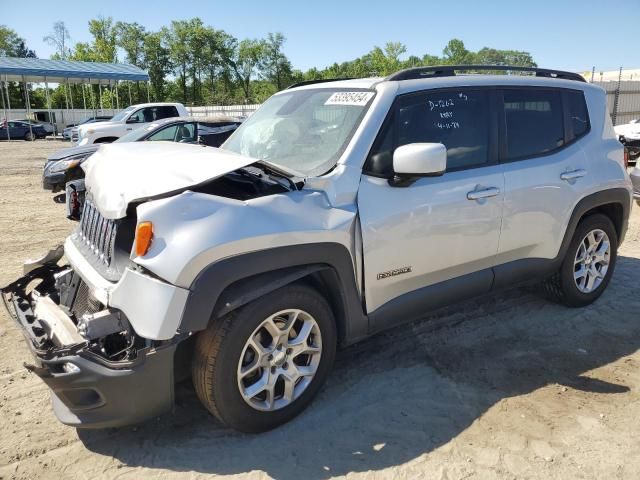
509	387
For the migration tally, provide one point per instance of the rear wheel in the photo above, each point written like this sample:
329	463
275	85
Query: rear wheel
29	137
588	263
261	365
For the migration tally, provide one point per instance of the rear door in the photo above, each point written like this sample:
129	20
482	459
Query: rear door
438	228
545	173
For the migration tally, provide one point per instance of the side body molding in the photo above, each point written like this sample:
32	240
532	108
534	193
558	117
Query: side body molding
216	290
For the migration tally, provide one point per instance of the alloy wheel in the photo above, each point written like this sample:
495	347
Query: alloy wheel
591	262
279	360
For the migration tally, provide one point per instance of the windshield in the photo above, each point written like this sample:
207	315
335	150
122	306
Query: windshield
121	116
304	130
137	134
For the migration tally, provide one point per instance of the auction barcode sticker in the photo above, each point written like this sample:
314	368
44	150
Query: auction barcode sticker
349	98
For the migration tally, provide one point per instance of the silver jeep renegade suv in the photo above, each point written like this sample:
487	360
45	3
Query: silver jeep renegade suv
337	210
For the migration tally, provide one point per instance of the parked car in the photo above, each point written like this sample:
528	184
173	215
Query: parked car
129	119
337	210
15	130
629	133
629	136
48	127
65	165
67	132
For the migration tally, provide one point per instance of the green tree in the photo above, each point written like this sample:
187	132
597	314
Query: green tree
177	39
274	64
130	37
244	63
157	62
9	41
455	53
217	54
104	39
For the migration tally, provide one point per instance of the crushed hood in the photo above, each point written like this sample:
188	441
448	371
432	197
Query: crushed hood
118	174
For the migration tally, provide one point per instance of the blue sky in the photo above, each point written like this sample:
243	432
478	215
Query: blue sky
564	34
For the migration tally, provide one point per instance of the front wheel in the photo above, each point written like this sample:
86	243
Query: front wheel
588	264
261	365
29	137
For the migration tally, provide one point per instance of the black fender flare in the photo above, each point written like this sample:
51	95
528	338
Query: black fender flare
223	286
617	196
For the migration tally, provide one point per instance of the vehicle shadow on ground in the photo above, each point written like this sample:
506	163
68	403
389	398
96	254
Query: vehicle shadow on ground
402	394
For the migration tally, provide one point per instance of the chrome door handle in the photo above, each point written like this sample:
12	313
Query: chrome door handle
573	175
483	193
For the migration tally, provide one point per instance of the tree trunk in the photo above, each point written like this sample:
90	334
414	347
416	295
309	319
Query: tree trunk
184	83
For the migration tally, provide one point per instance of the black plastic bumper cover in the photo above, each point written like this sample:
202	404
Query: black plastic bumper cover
88	391
53	181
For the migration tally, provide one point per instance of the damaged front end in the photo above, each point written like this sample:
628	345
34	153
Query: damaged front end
100	372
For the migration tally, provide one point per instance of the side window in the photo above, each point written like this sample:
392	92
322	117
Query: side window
186	133
534	122
577	112
137	117
164	134
165	112
459	119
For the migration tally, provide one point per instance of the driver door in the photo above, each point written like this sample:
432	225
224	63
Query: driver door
425	242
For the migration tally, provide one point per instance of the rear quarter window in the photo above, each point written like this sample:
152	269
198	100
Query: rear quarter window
578	114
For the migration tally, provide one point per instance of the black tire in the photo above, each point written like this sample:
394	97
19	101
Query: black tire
29	137
219	347
561	287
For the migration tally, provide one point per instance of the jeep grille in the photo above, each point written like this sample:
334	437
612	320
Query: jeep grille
98	233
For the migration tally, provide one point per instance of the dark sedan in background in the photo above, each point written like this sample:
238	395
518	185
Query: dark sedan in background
62	170
17	130
64	165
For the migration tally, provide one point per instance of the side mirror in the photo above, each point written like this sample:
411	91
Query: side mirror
416	160
133	120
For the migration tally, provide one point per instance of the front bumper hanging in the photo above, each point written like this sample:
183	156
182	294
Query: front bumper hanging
87	390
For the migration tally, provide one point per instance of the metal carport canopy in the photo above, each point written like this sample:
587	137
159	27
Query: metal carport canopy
35	70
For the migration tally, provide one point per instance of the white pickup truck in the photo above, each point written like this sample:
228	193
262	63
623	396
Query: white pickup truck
131	118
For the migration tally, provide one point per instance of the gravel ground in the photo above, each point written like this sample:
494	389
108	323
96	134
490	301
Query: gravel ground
507	387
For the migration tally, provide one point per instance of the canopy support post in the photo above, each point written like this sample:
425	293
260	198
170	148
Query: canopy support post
6	86
93	102
66	102
129	85
46	92
148	97
28	104
4	105
117	96
73	113
100	92
84	100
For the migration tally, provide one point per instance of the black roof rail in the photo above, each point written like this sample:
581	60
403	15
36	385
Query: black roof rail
450	71
311	82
